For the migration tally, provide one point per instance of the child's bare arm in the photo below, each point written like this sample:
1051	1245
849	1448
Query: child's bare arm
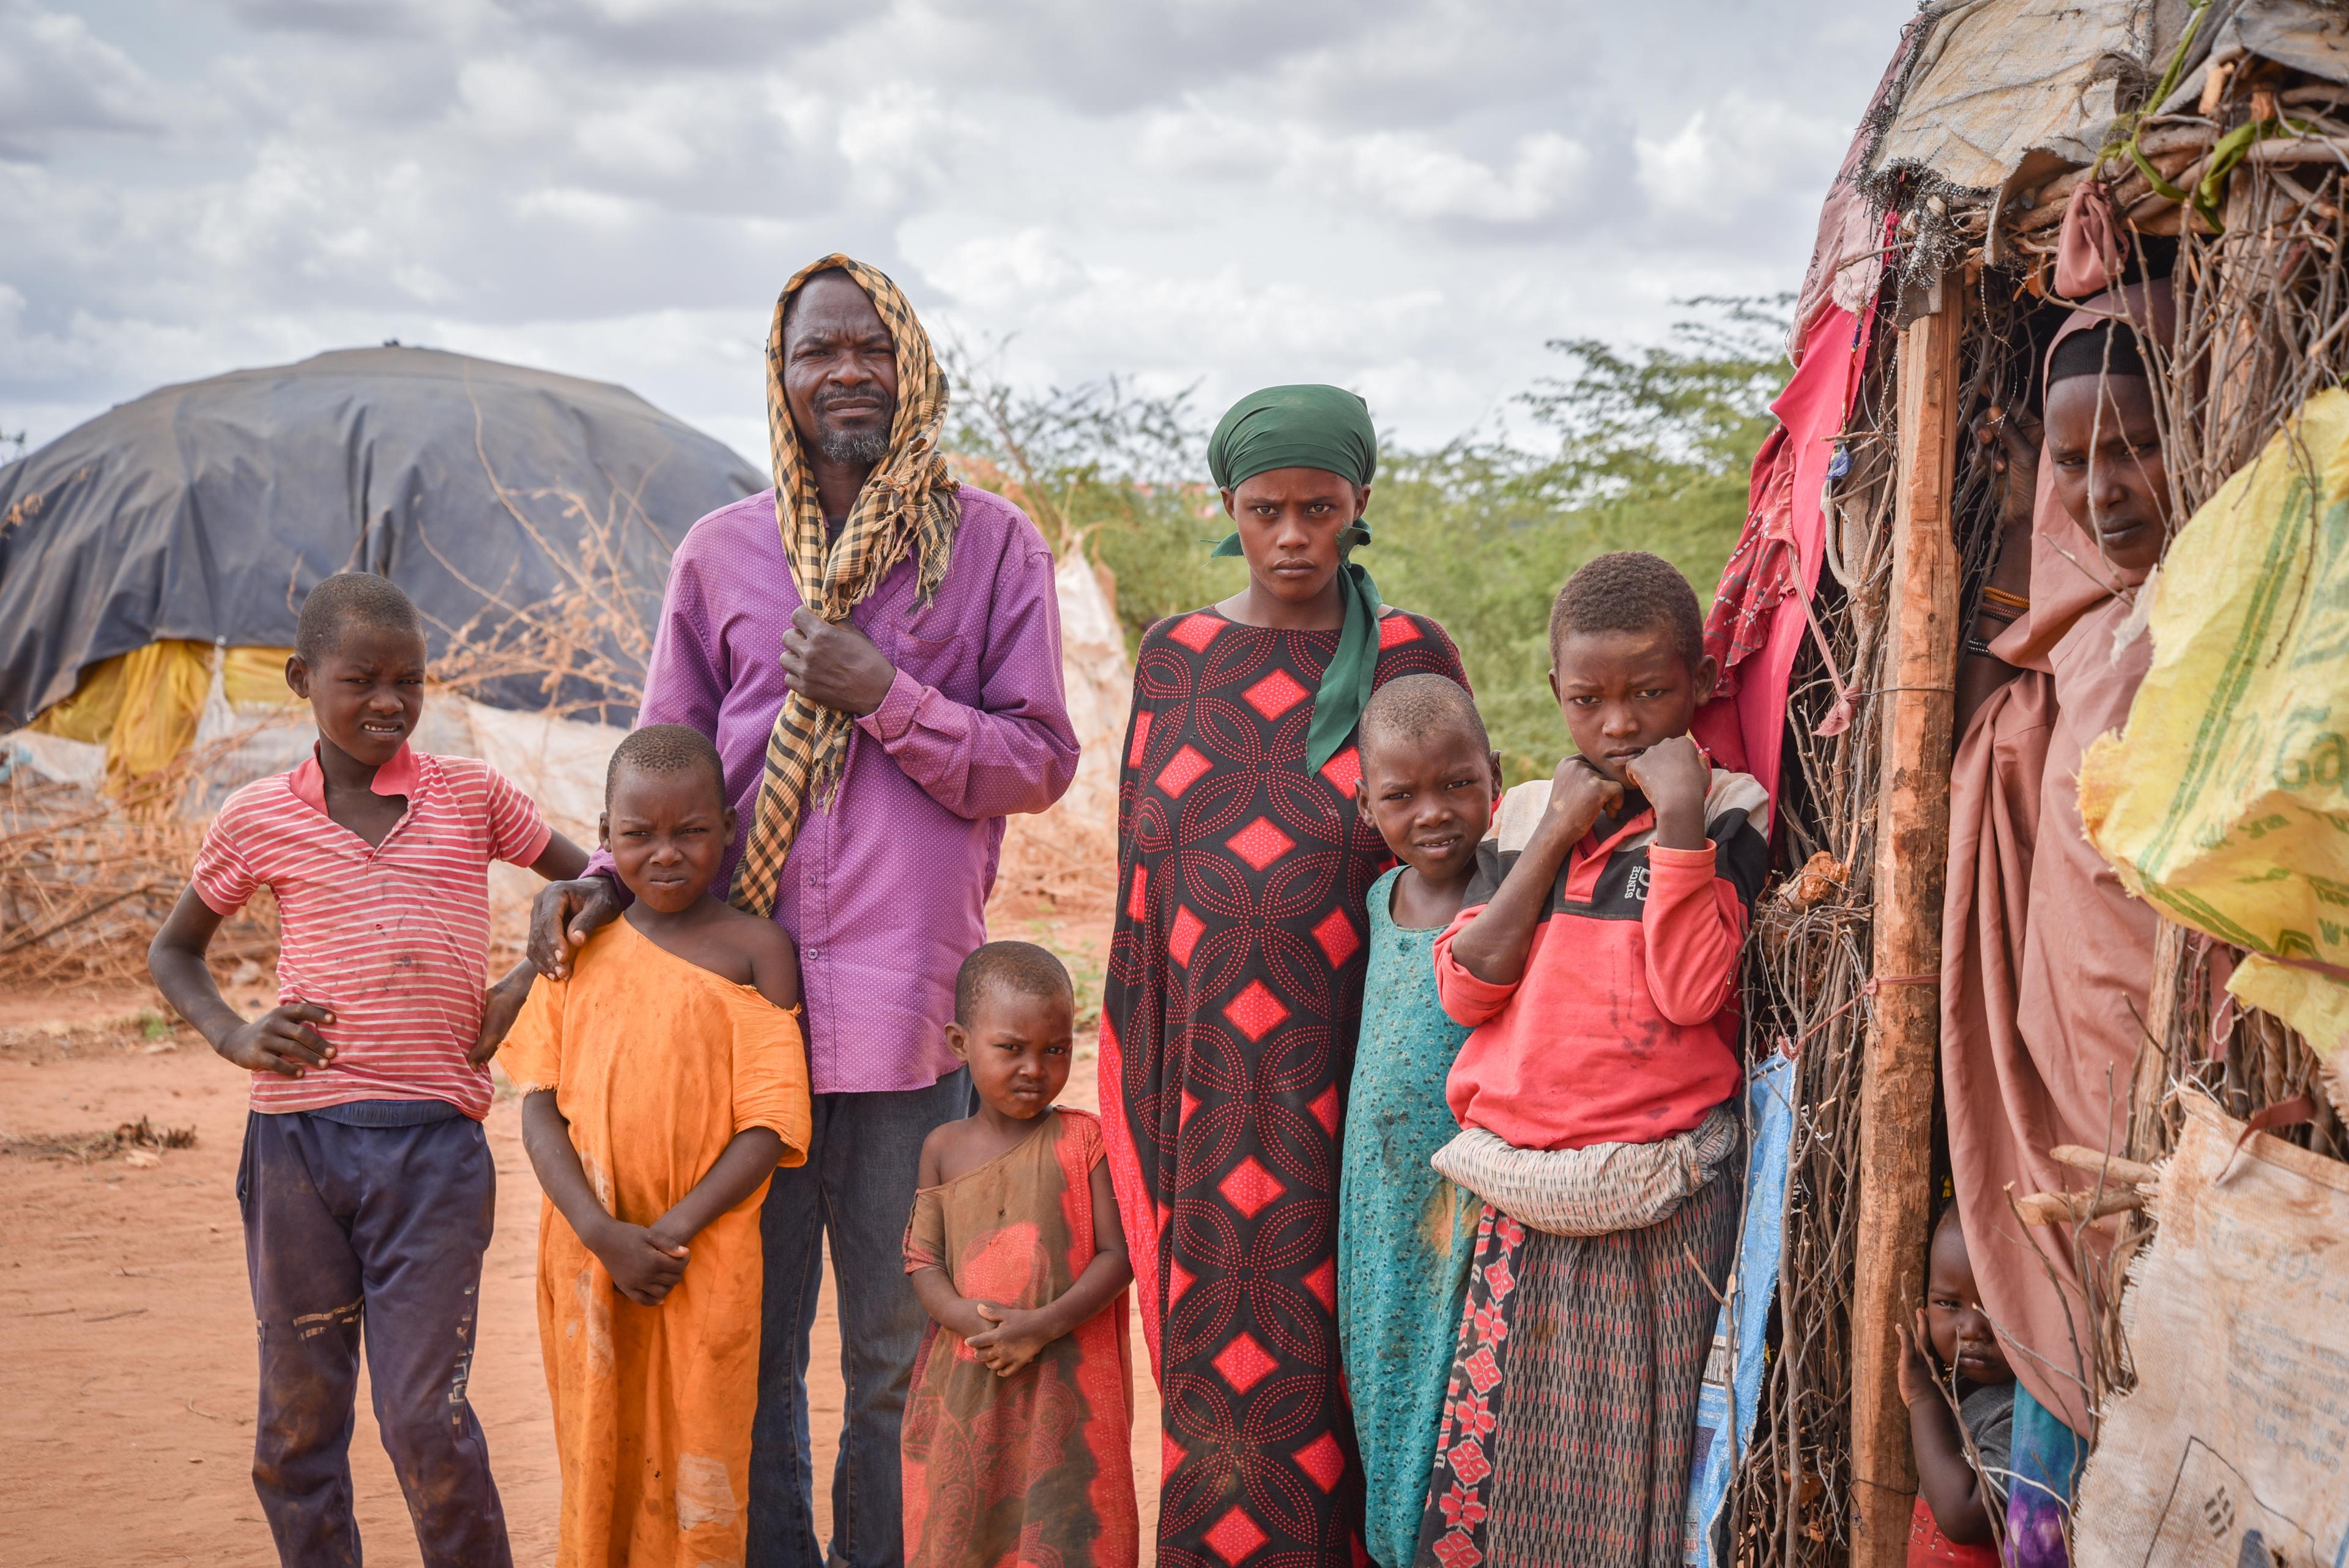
1015	1338
775	963
279	1041
561	860
746	1161
948	1307
1951	1487
642	1269
1494	946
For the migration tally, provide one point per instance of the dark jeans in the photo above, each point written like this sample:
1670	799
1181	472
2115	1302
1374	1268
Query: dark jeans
857	1189
385	1226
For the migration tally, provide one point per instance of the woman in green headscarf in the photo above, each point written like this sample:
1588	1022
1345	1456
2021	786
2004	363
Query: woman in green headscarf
1235	983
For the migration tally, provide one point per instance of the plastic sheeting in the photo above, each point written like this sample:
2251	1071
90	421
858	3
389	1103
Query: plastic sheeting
202	513
1730	1394
2224	801
1996	81
2232	1449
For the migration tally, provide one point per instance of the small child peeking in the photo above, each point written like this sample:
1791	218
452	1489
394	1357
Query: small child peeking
366	1186
666	1078
1595	958
1429	782
1958	1495
1018	1430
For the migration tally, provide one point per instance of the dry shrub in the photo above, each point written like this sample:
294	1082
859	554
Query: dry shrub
85	879
139	1136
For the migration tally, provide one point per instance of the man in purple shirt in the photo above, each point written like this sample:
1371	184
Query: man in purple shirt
958	720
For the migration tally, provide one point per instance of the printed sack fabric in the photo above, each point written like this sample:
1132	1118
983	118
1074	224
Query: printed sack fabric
1592	1191
2223	800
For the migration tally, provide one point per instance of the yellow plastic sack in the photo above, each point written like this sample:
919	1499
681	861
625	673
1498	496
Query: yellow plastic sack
2223	800
144	706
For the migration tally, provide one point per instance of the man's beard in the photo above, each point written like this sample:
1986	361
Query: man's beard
855	447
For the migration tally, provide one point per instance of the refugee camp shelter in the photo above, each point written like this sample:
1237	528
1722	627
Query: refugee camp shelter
153	558
2216	134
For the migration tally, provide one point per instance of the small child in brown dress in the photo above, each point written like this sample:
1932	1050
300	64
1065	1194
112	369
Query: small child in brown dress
1018	1430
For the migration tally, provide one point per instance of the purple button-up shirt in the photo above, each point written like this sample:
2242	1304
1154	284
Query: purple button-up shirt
885	892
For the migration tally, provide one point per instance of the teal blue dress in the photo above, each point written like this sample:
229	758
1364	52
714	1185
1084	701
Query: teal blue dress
1405	1235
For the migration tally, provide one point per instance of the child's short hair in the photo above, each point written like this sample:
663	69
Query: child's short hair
1411	706
1023	967
661	749
1629	590
348	599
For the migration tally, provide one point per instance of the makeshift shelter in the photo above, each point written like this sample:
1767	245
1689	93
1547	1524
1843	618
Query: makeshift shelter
2218	136
529	515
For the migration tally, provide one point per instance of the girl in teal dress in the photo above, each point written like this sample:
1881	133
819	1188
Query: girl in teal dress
1405	1234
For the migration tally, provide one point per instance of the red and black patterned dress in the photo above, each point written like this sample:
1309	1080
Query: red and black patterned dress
1227	1031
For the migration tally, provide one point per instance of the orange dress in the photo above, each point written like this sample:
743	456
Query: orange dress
656	1063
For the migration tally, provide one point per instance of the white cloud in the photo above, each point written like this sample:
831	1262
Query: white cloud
1408	196
57	79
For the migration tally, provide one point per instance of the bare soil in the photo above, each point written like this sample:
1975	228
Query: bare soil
126	1328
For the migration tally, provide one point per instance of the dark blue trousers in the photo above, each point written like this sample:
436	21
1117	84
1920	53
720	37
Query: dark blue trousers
380	1229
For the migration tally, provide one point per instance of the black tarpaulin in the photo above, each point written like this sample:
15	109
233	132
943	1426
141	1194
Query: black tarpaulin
205	511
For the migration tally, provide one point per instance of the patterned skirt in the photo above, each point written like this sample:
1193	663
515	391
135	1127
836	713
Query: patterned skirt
1572	1404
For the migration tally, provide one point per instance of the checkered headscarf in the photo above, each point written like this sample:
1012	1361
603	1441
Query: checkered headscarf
907	504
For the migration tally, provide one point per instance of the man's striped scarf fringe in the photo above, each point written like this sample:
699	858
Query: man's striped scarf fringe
909	504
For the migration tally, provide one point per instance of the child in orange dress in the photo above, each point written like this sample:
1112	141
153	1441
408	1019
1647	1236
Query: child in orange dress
1018	1432
667	1078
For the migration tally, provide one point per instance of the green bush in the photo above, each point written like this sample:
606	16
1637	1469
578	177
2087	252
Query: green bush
1646	449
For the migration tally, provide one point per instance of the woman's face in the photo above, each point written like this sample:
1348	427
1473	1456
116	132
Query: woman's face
2105	450
1289	521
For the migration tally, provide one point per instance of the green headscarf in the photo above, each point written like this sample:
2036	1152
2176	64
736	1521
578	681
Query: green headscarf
1329	429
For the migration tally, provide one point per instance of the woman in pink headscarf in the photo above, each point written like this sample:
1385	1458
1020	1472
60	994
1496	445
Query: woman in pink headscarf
2047	960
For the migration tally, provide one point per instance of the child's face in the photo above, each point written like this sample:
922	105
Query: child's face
667	833
1018	1046
1622	691
1431	797
1962	1336
366	691
1289	521
2106	455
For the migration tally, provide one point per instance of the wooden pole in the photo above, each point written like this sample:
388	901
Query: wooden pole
1912	844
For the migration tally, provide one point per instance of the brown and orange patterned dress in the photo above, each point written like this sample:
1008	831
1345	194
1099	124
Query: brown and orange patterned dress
1036	1468
1228	1041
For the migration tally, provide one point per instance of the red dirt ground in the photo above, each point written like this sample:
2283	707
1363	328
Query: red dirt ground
127	1351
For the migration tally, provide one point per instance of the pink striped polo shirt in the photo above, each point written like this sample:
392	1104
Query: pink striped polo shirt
395	939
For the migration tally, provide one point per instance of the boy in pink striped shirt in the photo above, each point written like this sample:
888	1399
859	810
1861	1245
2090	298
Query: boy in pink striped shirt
366	1186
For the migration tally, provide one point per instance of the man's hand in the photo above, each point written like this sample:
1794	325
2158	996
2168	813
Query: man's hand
835	666
1013	1342
1674	775
1579	792
279	1041
1919	1379
561	918
642	1267
499	1003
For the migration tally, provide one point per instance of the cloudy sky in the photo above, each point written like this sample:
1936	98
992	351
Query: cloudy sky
1403	196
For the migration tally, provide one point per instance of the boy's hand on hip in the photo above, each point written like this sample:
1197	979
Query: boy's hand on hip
499	1003
279	1041
835	666
563	917
1013	1342
1579	793
642	1268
